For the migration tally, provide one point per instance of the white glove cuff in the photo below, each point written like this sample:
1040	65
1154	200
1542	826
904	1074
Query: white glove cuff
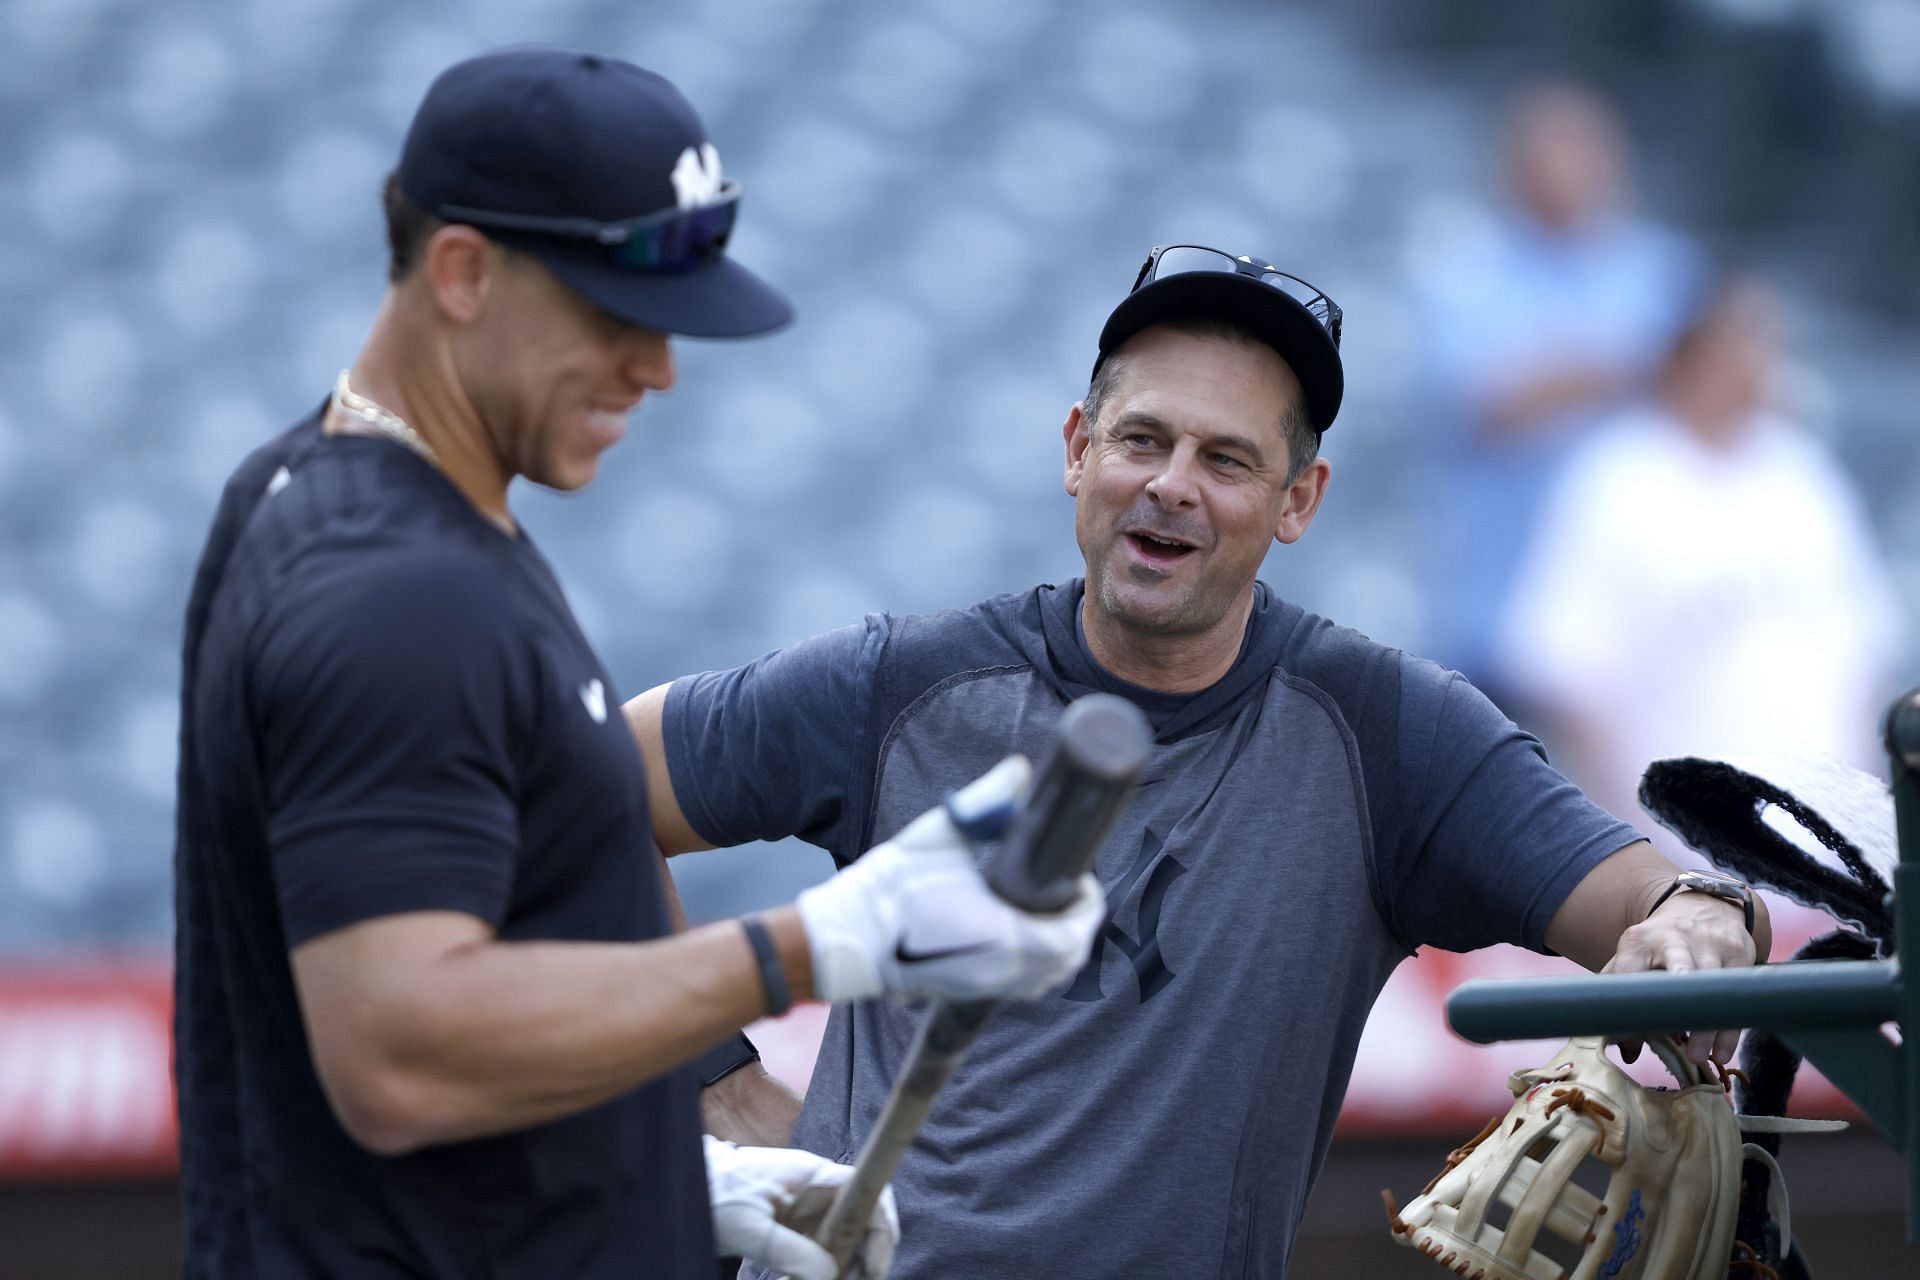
843	936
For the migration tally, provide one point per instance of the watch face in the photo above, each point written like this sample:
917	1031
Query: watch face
1726	888
1718	885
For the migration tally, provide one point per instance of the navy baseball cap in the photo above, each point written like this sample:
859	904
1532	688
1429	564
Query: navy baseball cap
599	169
1296	319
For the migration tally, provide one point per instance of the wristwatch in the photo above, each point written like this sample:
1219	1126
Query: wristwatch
1725	887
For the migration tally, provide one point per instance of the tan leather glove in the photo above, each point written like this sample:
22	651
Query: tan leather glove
1589	1176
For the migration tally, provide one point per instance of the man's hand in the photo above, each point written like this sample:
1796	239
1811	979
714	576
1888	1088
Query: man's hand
1690	931
1610	925
915	917
768	1202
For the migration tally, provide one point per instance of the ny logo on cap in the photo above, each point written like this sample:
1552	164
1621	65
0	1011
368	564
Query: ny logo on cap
696	177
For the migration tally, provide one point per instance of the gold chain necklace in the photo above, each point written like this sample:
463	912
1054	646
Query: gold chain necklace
381	419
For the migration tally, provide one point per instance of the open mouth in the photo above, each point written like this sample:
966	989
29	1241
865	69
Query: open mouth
1159	550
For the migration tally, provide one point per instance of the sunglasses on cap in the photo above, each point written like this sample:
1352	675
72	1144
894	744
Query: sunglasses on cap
1187	259
668	242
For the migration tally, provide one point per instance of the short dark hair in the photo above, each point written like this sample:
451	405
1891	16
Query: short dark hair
1303	442
408	228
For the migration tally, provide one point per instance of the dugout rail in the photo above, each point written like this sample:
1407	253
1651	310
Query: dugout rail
1831	1012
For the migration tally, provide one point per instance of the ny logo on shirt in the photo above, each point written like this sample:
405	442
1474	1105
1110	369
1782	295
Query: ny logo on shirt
1149	966
593	696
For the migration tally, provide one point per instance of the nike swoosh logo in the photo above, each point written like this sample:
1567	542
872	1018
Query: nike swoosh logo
906	956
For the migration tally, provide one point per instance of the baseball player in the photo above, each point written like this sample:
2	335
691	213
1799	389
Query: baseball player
1318	806
431	1019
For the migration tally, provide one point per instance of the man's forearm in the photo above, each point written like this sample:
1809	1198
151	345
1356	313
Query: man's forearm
748	1106
1525	408
1619	894
495	1036
1611	899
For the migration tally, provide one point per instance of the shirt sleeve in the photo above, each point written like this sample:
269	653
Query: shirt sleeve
1495	839
381	698
776	748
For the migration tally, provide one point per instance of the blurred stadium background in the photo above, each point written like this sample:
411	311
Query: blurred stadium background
954	192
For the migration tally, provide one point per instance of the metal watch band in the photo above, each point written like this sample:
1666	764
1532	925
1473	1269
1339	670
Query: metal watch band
1736	893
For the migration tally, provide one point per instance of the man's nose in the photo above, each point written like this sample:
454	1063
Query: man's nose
647	360
1176	485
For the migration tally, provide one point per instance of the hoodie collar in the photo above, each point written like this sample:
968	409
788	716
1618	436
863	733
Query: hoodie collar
1173	715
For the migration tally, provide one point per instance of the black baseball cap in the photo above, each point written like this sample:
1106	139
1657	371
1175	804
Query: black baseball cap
599	169
1296	319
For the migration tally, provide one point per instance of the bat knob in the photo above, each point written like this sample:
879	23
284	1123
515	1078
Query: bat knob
1106	736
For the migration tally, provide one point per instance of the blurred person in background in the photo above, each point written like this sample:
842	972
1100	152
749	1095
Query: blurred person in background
1533	325
432	1018
1705	581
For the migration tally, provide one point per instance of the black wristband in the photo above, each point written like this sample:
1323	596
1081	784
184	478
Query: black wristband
725	1058
773	975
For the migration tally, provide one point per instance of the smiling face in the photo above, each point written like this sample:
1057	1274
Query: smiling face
552	377
1181	484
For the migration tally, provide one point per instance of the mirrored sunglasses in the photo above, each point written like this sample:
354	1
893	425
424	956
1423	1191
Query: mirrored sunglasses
1188	259
668	242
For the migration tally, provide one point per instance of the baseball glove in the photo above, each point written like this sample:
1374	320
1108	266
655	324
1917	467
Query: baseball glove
1590	1176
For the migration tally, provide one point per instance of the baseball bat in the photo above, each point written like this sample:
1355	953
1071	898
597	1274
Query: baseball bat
1098	750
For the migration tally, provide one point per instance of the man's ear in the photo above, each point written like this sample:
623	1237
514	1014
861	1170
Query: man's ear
1074	430
1302	500
459	265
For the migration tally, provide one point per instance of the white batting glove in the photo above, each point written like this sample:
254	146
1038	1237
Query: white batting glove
768	1202
915	917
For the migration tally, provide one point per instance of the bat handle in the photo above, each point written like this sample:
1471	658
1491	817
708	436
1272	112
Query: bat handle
949	1028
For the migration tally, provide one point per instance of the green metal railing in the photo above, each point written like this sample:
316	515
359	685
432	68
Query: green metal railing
1831	1012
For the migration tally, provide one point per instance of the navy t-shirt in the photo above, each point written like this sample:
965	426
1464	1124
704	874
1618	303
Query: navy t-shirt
1305	822
387	706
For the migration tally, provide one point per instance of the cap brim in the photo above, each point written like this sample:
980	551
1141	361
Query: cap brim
1278	320
719	300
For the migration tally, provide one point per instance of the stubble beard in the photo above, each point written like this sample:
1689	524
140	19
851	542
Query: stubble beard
1146	607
